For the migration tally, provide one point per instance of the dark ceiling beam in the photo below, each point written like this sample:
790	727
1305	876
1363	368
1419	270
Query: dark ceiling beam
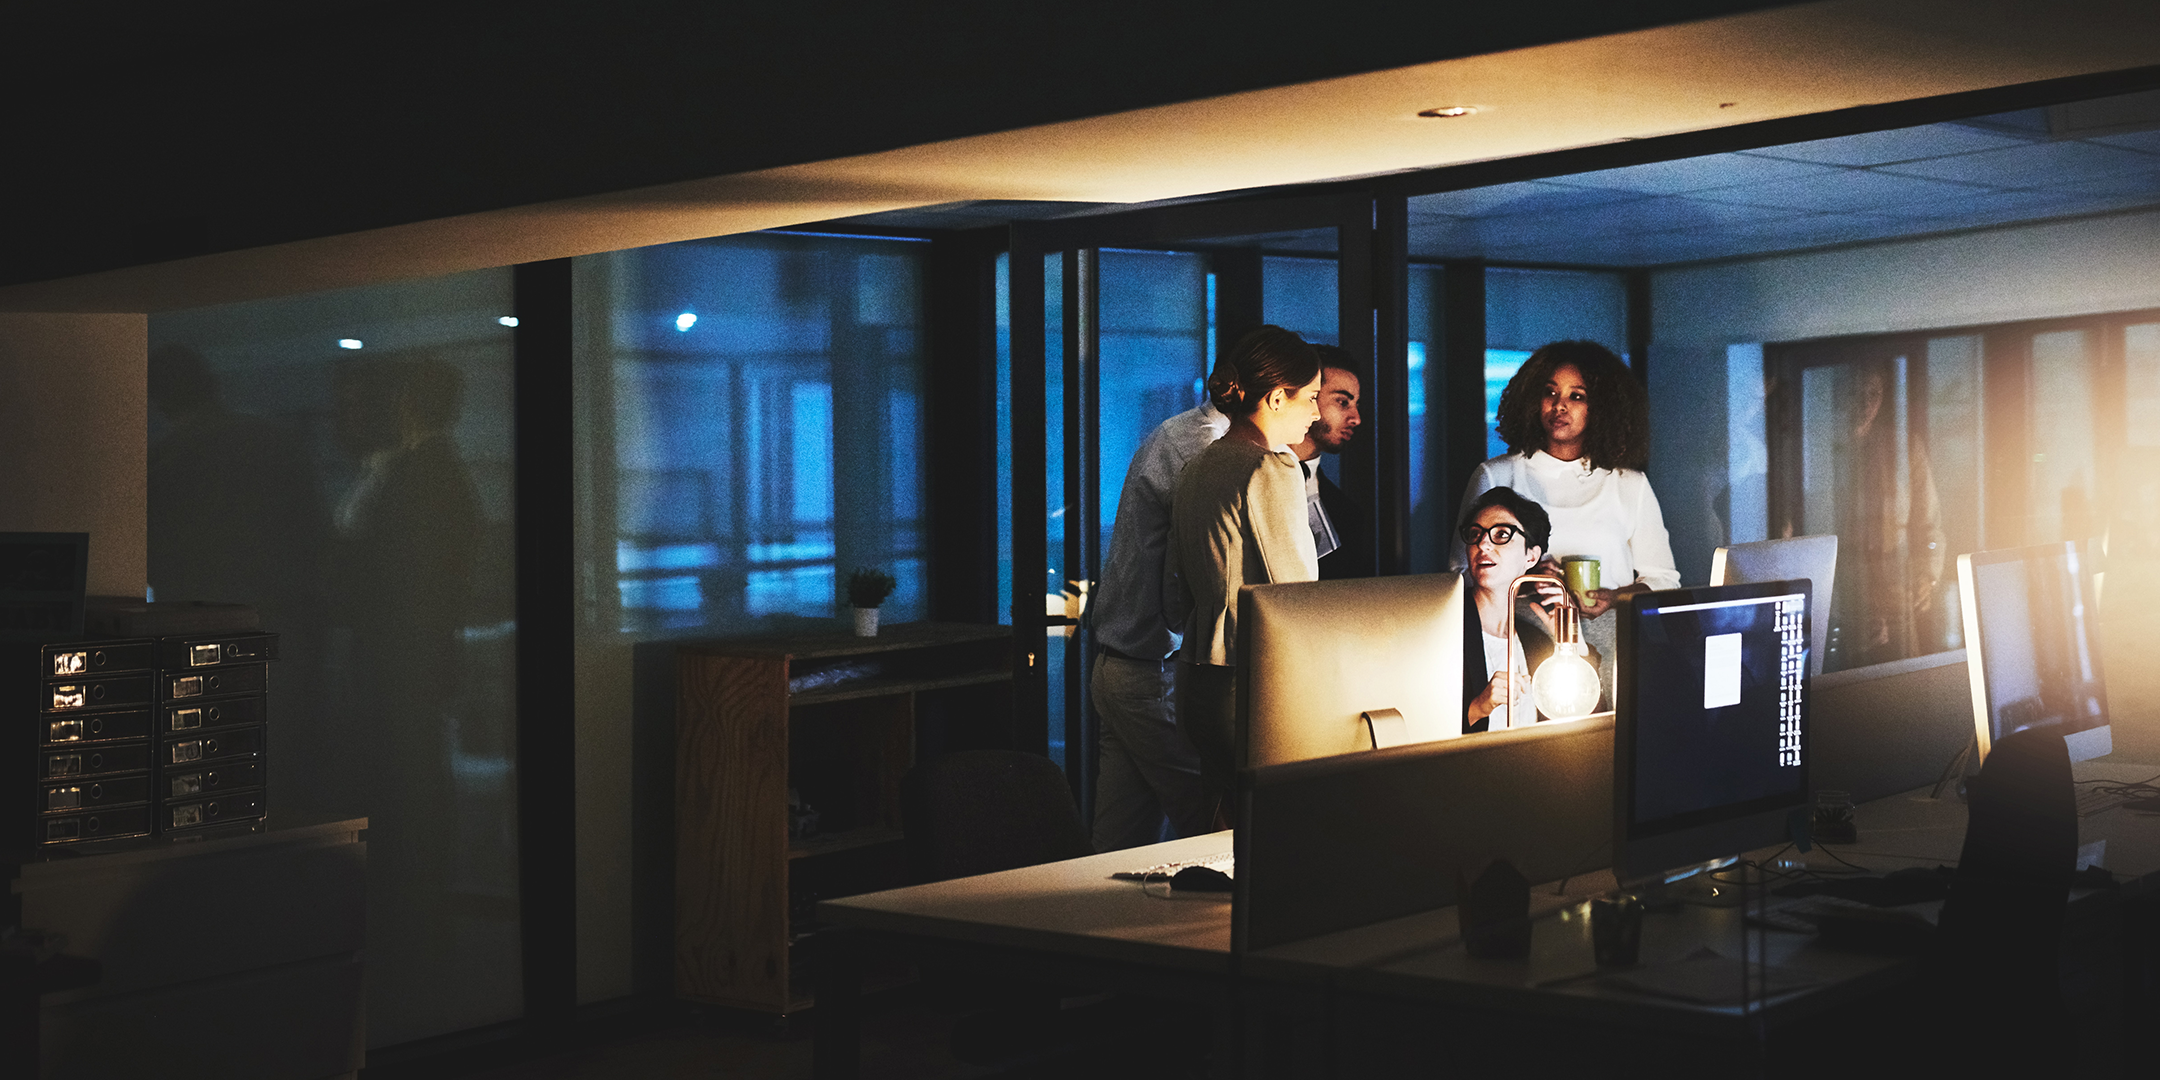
141	133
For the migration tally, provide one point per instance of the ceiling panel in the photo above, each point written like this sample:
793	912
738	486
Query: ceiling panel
1843	190
1696	174
2148	141
2144	182
1533	196
2036	164
1907	182
1897	144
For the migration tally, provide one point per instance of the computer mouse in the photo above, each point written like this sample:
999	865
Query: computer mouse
1201	879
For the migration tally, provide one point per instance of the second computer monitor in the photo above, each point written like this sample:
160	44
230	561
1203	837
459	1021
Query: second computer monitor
1710	739
1314	656
1809	558
2032	647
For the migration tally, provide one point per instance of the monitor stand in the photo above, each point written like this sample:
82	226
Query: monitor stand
1697	885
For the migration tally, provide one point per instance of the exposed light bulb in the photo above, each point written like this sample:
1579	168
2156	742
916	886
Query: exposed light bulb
1565	686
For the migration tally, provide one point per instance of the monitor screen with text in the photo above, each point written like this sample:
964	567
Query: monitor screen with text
1718	716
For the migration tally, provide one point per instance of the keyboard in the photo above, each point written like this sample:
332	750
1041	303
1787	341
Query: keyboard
1226	862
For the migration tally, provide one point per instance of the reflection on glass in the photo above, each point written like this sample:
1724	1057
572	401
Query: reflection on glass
1004	438
1428	534
1053	269
2141	379
1527	308
359	495
2060	506
1155	324
763	448
2133	526
1953	457
1500	366
1865	477
1298	294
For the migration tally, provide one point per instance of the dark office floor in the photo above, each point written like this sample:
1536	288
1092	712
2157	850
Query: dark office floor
903	1039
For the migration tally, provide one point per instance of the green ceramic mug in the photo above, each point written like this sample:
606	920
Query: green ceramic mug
1581	572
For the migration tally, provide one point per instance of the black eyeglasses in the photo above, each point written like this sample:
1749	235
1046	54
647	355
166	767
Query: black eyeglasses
1501	534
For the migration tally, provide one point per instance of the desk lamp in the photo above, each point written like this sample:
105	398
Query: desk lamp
1565	686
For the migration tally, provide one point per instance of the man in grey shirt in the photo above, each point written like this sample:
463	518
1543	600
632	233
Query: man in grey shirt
1149	773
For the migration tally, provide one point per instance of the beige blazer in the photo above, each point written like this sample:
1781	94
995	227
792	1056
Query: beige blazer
1238	518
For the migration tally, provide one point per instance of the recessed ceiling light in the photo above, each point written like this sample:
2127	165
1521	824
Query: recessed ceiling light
508	320
685	321
348	343
1446	111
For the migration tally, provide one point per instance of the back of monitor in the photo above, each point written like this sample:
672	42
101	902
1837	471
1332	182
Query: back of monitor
1315	656
2032	649
1349	841
1813	558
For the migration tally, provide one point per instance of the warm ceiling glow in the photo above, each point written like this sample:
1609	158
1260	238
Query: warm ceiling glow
1782	61
1447	111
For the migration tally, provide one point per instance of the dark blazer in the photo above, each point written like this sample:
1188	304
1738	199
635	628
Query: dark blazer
1537	645
1353	526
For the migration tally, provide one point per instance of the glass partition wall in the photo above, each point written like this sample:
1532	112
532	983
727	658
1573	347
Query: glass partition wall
1124	321
1915	448
342	461
749	430
752	409
749	427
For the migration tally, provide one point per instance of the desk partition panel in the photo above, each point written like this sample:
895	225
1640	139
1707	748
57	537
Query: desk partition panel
1341	842
1880	730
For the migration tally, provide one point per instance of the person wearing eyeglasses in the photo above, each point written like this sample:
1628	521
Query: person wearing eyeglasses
1505	536
1577	426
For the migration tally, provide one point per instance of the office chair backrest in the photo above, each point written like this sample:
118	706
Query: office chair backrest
980	811
2001	927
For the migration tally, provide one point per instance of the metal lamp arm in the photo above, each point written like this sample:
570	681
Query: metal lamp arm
1514	591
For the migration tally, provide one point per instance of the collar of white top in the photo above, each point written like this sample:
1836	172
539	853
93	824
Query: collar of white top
1545	462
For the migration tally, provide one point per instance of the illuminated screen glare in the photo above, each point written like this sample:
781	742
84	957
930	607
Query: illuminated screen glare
1718	717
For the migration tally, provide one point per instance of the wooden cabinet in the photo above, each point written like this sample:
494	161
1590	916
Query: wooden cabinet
834	719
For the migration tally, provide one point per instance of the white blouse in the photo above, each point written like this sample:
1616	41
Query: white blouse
1610	515
1496	654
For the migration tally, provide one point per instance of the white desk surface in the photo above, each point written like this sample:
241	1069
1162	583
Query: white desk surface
1076	908
1421	956
1073	907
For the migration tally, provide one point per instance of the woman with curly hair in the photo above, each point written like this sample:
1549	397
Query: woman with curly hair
1577	426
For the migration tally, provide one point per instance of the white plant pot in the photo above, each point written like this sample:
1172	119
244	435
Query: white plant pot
865	621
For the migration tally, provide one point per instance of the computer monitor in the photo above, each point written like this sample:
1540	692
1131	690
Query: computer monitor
1710	739
1314	656
2031	646
1809	558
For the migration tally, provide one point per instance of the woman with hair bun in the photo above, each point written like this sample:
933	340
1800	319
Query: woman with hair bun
1238	518
1577	425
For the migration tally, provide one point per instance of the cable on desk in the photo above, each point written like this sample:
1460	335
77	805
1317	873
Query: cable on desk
1856	868
2145	792
1586	863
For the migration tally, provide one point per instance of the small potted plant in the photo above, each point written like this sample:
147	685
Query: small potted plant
866	589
